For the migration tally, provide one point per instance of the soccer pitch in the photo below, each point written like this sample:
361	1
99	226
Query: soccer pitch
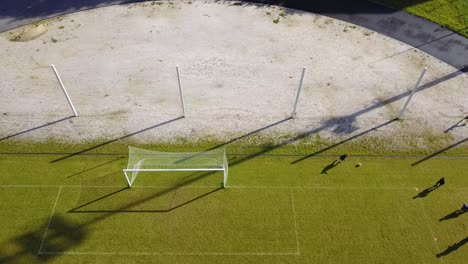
276	209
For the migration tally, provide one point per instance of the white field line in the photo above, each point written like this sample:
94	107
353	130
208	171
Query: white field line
228	187
173	253
40	252
50	219
298	251
428	223
323	187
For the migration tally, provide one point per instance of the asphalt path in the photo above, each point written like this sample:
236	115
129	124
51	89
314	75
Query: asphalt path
419	33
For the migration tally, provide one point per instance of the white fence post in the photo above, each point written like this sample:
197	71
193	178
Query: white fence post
180	91
411	94
63	89
293	114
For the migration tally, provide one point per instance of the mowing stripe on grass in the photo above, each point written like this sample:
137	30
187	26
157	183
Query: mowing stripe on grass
229	187
430	228
174	253
124	155
50	219
295	222
287	246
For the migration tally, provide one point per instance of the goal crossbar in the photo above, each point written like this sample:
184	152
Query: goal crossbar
143	160
187	169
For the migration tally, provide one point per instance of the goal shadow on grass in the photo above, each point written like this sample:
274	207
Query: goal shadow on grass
62	235
127	207
141	199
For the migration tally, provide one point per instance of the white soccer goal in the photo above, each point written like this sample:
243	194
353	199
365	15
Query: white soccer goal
143	160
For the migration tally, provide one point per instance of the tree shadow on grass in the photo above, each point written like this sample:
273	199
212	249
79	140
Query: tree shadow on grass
453	248
63	235
45	243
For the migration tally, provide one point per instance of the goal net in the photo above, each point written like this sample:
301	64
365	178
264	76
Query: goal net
143	160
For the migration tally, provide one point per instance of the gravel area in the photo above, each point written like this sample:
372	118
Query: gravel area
240	67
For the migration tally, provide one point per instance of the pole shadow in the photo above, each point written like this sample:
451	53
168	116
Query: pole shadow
417	47
462	122
453	215
453	248
238	138
95	167
252	132
98	199
344	141
116	139
438	152
352	116
35	128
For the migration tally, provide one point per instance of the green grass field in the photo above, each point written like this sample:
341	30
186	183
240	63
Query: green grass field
64	208
452	14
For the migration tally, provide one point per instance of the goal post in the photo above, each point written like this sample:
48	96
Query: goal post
144	160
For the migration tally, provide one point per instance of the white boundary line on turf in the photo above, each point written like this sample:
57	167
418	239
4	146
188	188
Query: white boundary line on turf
50	220
173	253
40	252
322	187
228	187
29	186
298	251
428	223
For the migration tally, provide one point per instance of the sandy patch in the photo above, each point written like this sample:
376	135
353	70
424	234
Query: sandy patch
240	67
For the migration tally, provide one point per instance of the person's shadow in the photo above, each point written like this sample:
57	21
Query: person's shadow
425	192
453	247
453	214
330	166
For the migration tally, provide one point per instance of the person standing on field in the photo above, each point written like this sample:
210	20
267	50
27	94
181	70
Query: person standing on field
343	157
440	182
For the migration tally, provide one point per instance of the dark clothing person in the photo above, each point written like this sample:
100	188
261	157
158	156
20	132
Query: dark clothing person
343	157
440	182
464	207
